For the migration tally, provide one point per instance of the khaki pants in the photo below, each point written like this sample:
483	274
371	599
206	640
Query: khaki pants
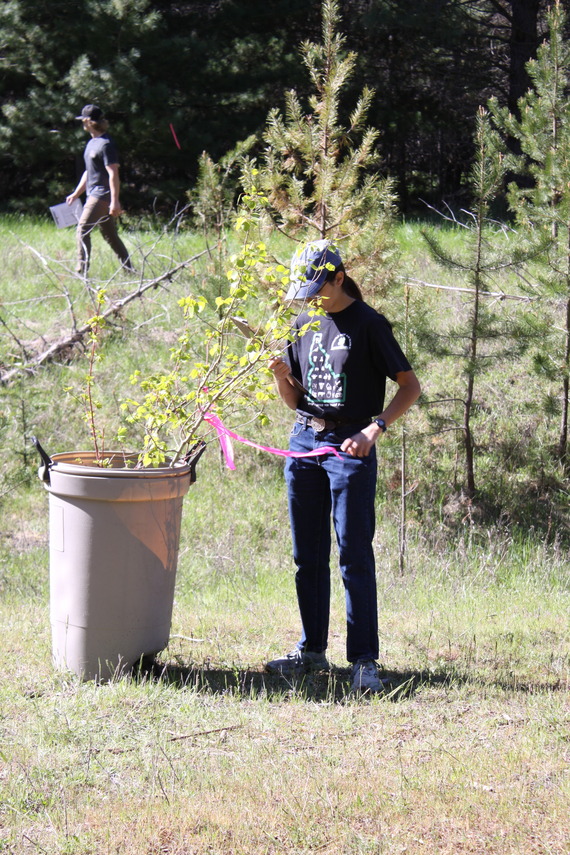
96	213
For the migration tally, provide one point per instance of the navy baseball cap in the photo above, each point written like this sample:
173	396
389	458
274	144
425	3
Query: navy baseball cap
91	111
310	267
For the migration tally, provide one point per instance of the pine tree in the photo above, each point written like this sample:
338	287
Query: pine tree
542	205
479	335
319	173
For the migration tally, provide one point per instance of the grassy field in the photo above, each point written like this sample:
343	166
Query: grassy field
468	751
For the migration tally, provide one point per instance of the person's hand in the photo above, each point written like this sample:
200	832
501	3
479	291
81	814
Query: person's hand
115	209
71	198
360	444
279	368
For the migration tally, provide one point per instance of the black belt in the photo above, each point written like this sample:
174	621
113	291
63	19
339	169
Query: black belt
319	424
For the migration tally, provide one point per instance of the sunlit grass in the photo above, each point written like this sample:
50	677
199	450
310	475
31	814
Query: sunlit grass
467	750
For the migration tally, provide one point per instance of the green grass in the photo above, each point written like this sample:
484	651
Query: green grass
467	752
202	752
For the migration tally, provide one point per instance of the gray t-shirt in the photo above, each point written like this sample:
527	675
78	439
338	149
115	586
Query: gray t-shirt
99	153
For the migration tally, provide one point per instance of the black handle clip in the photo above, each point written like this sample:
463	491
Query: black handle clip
193	456
43	471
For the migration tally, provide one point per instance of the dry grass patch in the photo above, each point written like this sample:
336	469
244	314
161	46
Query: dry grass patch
150	769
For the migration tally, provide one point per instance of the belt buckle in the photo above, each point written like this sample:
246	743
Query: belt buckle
318	425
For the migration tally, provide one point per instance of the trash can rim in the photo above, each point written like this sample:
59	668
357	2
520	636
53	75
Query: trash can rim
83	463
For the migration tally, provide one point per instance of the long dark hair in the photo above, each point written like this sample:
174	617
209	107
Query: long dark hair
349	286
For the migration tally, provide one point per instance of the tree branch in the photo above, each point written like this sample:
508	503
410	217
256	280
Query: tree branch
69	341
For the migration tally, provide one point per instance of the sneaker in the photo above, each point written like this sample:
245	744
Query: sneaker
365	677
297	662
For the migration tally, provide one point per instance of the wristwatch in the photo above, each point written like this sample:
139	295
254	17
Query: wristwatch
381	424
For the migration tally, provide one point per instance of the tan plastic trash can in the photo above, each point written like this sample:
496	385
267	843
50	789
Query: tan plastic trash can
114	539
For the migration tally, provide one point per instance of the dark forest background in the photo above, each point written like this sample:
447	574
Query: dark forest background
205	75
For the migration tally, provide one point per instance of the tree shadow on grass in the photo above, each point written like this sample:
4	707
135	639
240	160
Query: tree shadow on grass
322	687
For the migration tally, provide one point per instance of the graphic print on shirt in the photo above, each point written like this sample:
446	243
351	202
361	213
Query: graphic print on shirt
326	386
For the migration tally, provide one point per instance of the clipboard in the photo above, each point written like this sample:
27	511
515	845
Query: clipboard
66	215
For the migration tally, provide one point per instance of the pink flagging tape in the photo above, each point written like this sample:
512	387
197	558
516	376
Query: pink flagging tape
225	436
173	132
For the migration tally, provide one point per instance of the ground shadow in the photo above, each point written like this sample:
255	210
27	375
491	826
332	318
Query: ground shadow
331	687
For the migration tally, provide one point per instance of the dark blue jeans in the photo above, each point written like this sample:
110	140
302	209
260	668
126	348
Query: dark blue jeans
318	487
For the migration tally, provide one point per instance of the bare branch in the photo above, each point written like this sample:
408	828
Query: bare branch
13	335
69	341
496	295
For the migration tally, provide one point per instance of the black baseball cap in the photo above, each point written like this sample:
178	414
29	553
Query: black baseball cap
91	111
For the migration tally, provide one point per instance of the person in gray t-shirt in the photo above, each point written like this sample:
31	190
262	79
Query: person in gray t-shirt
102	184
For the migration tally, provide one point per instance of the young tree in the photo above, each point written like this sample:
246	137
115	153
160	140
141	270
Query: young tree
320	174
542	205
480	336
212	200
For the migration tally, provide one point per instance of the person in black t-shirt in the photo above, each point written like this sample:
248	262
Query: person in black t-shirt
342	368
102	184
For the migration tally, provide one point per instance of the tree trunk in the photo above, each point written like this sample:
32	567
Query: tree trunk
468	441
523	44
563	441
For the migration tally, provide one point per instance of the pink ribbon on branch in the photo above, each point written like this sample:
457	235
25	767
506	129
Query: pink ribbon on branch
225	437
173	132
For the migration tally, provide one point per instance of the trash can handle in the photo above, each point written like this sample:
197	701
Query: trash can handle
193	456
43	471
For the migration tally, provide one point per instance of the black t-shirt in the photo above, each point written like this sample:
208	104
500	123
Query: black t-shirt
99	153
345	363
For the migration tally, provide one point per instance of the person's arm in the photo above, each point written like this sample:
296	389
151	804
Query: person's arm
287	392
408	391
78	190
115	187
